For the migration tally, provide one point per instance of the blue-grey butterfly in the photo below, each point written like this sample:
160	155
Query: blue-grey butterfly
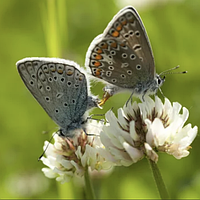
61	88
123	58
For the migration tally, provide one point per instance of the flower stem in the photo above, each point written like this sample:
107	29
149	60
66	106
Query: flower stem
88	186
159	181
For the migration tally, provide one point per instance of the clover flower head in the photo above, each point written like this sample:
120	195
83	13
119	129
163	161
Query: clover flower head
70	157
143	129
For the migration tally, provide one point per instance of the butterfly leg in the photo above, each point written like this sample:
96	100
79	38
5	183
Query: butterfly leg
106	96
130	98
101	120
108	92
161	92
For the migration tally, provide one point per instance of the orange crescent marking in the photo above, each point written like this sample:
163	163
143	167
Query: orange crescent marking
105	46
98	57
99	51
115	34
119	28
97	64
98	72
60	71
131	20
70	72
124	22
122	45
114	45
80	78
53	69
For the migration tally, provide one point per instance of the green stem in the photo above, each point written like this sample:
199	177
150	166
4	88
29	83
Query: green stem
88	186
49	13
159	181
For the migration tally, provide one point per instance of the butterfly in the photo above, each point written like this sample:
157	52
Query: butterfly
122	57
61	88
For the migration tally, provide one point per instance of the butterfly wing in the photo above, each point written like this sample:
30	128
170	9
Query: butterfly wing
59	86
122	55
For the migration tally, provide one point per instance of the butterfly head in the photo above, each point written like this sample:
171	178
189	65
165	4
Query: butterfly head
160	80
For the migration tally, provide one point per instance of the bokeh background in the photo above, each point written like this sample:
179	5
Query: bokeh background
65	29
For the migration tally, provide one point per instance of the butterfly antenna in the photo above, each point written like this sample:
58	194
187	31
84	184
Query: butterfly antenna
46	146
169	71
130	98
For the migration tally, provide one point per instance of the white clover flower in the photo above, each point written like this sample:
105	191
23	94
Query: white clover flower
68	158
147	128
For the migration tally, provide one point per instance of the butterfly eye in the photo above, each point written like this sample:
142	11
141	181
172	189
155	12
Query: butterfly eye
160	80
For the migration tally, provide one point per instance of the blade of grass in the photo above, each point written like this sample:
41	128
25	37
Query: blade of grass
51	28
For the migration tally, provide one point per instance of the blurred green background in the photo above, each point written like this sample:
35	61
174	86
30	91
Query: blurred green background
65	29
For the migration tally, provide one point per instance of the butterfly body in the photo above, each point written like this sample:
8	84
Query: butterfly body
61	88
122	56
